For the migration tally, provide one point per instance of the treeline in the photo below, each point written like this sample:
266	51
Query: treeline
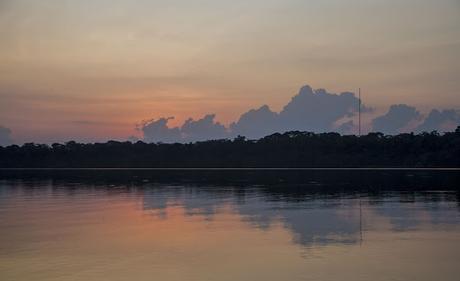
290	149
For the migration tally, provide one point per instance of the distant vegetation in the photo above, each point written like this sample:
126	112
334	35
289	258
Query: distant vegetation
290	149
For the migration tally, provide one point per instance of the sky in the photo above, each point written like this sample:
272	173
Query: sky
98	70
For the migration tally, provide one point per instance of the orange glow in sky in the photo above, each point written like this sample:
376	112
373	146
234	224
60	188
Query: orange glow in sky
92	70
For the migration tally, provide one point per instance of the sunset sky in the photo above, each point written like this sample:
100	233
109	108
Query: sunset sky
93	70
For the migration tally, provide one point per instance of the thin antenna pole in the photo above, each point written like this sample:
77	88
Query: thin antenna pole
360	205
360	222
359	112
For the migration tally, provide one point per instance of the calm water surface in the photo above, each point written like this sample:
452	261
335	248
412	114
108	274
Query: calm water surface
82	230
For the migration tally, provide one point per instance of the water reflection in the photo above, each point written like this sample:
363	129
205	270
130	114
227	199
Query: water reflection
74	229
313	219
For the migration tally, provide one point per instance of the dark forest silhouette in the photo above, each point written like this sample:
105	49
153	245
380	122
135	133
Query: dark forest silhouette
290	149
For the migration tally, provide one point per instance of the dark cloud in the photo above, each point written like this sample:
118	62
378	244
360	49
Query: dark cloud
441	121
317	110
397	117
346	128
310	110
5	136
203	129
192	130
256	123
158	131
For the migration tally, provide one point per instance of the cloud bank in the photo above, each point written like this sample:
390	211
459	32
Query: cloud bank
317	110
396	119
310	110
441	121
5	136
192	130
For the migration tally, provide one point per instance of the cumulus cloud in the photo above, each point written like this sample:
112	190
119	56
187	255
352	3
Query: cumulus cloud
158	131
310	110
192	130
256	123
441	121
346	128
5	136
317	110
203	129
396	119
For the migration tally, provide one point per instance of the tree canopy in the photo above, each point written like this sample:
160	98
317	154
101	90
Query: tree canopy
290	149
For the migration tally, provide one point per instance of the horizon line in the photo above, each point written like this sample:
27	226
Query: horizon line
244	168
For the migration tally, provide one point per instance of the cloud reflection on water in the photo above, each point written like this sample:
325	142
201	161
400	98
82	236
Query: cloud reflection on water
312	221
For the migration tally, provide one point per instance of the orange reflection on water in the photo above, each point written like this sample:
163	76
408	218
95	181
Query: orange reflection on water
110	236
